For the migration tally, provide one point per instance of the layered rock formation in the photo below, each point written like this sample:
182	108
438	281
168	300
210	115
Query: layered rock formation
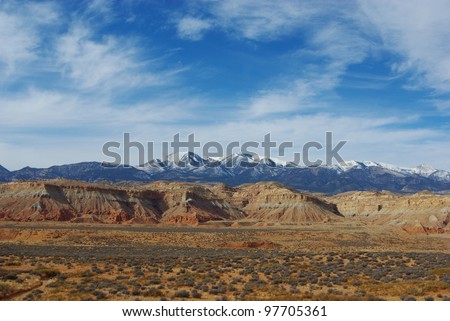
192	203
416	213
273	202
77	202
159	202
189	203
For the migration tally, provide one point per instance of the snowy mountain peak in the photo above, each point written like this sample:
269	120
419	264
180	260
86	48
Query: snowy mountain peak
275	162
185	159
191	161
421	170
245	168
424	170
251	160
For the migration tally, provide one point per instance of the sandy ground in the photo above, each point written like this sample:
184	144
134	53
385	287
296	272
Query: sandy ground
335	261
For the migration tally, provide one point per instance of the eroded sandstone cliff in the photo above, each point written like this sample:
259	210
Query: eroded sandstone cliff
189	203
416	213
165	202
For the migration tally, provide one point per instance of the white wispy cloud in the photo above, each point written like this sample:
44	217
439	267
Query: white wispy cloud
387	139
100	6
52	110
342	34
261	19
91	70
104	64
21	25
192	28
38	37
336	46
299	95
367	137
418	33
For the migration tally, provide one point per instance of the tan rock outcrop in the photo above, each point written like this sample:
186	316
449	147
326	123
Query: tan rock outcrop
272	202
418	213
159	202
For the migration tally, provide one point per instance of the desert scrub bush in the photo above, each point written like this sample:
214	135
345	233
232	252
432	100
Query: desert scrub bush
440	271
154	282
87	274
153	293
232	288
112	291
47	273
28	297
410	288
185	281
236	280
10	276
356	283
37	293
136	292
56	284
217	290
5	290
182	294
195	294
99	295
62	277
445	278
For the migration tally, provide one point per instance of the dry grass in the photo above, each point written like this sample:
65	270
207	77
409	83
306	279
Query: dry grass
440	271
137	263
413	288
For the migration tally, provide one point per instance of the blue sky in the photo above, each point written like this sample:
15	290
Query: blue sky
76	74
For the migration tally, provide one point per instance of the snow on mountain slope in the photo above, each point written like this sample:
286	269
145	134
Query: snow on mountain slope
421	170
183	161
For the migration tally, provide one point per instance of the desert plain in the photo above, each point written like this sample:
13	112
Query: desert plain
67	240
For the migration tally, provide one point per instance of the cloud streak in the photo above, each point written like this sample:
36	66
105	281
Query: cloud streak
192	28
105	65
418	33
85	76
20	33
341	35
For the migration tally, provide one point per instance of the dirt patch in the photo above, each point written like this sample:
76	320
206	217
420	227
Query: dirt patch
250	245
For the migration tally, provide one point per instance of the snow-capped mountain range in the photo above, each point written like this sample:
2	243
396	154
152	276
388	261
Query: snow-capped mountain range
238	169
421	170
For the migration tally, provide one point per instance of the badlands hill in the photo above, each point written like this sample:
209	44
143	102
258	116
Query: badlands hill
189	203
422	212
159	202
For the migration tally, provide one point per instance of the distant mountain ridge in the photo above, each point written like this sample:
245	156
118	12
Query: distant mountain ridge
5	175
239	169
